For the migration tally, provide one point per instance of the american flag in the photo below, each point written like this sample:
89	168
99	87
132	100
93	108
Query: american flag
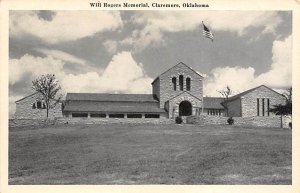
207	33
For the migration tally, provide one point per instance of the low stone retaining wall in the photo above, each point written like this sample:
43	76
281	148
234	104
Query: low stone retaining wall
73	120
206	120
26	122
240	121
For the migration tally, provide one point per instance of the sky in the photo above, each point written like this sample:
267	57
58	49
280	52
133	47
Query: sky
124	51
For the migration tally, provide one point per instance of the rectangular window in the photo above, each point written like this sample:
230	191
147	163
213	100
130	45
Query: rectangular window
181	82
116	115
263	107
188	84
257	107
39	105
79	115
134	115
151	115
268	103
174	83
96	115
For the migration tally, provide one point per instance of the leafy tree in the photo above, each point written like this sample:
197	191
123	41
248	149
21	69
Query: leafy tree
226	92
48	87
284	109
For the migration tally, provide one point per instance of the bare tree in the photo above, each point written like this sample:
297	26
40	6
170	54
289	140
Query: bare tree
48	88
226	92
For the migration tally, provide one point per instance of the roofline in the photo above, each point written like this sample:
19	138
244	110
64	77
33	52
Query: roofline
182	93
34	94
173	67
104	93
154	101
121	112
215	97
237	96
155	80
26	97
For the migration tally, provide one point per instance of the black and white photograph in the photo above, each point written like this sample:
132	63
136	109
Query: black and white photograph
150	97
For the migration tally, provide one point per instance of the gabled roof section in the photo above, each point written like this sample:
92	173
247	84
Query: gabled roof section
174	67
213	102
110	97
250	90
120	107
183	93
26	97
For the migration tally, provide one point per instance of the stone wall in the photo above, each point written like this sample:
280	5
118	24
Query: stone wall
258	121
166	86
156	88
24	109
27	122
249	101
206	120
239	121
173	104
234	108
66	120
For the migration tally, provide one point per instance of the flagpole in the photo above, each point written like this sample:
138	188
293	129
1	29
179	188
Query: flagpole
208	34
201	54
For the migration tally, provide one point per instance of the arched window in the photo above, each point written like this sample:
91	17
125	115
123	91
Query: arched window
188	84
38	104
181	82
174	83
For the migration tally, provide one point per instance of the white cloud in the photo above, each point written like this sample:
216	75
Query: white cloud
240	79
122	75
57	54
280	74
156	24
65	25
79	65
30	66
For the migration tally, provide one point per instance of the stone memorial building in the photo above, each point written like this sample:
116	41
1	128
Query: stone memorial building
176	92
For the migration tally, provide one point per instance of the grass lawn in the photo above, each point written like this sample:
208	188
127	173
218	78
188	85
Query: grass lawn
149	154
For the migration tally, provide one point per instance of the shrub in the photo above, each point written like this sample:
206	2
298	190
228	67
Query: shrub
230	121
178	120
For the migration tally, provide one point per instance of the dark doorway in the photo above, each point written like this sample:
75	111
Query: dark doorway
185	108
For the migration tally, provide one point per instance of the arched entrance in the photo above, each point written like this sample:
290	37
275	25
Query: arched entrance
185	108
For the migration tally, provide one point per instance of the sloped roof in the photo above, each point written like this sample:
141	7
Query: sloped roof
183	93
26	97
119	107
174	67
248	91
110	97
213	102
208	102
